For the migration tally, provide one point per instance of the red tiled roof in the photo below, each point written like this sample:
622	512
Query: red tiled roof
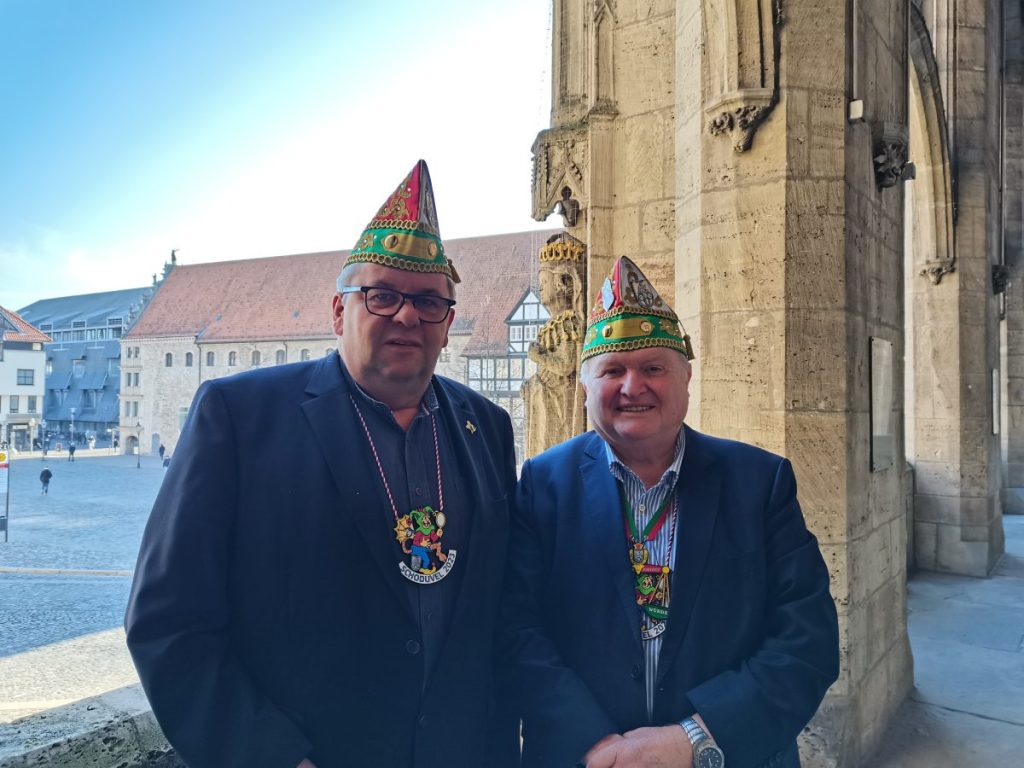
290	296
282	297
24	331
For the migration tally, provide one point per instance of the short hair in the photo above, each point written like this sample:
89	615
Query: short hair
584	375
349	272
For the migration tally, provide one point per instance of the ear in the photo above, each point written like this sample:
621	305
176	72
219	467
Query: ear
448	325
337	309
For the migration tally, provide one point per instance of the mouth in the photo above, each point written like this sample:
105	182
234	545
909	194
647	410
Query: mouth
634	408
409	343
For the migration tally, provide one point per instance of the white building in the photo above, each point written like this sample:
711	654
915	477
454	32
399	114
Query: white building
22	380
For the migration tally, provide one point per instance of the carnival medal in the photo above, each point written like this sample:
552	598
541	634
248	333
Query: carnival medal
420	532
652	582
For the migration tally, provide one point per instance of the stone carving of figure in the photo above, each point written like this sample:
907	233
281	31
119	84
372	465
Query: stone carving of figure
553	396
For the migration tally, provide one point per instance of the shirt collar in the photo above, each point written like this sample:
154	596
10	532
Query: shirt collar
428	404
618	468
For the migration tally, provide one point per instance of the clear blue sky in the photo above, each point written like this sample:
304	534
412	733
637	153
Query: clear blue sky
242	128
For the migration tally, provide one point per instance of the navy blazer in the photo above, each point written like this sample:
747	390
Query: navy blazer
268	619
752	636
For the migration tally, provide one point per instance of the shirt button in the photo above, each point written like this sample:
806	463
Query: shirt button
413	647
642	508
635	672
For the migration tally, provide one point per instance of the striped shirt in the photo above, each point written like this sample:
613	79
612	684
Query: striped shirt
645	503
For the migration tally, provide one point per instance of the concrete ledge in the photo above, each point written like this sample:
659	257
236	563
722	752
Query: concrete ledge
113	729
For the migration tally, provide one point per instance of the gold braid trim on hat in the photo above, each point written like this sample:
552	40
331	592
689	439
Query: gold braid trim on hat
629	346
399	263
667	314
398	224
563	251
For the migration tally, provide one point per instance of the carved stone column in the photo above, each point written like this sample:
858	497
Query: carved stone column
553	396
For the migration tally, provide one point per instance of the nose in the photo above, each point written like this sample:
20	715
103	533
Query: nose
407	314
633	383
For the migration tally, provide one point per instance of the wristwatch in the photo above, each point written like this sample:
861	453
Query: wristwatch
706	753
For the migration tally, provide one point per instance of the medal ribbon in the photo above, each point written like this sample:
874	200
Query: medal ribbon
653	525
658	611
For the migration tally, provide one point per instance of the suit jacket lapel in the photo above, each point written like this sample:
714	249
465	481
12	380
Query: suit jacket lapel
604	533
339	434
698	489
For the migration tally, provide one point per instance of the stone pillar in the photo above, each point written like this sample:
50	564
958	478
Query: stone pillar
789	244
553	396
1013	251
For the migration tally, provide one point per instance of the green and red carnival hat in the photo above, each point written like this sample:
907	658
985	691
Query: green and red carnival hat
629	314
404	233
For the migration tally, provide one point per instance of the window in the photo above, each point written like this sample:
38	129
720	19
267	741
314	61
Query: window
26	377
32	404
128	352
14	403
530	333
169	360
135	408
232	358
255	357
78	324
279	357
127	379
515	333
49	367
127	409
304	354
209	358
188	359
182	415
78	368
446	355
136	351
114	367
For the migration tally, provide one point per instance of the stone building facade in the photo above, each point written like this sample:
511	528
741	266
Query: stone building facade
831	196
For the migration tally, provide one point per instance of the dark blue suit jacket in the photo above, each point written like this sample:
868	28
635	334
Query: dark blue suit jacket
268	619
752	638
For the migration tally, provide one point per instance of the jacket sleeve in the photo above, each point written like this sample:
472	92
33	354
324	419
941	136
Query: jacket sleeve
759	707
179	609
558	709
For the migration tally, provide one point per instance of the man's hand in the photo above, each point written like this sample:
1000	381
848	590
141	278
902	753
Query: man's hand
664	747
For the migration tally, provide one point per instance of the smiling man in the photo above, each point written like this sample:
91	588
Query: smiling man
664	604
319	577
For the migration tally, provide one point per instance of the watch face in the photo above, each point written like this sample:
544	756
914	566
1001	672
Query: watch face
710	757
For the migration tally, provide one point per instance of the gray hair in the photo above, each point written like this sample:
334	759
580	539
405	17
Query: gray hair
348	275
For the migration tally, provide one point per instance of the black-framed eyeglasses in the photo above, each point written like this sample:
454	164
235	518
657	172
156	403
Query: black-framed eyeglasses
387	302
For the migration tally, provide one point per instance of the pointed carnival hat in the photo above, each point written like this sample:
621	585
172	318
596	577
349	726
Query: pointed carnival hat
629	314
404	233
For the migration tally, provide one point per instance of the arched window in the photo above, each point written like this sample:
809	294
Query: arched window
209	358
304	354
188	359
255	357
279	358
168	360
232	358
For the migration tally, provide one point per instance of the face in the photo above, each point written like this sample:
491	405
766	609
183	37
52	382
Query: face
392	358
637	400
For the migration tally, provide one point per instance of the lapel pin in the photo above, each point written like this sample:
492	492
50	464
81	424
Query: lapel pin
471	427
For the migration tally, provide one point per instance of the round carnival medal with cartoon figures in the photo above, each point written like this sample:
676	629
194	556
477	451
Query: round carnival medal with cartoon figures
419	535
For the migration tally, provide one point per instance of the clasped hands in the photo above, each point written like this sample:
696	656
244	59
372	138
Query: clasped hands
666	746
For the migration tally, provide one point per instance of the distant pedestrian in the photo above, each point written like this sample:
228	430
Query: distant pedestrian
71	452
116	444
161	451
44	478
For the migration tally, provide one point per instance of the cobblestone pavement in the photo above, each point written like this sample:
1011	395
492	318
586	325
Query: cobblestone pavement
66	567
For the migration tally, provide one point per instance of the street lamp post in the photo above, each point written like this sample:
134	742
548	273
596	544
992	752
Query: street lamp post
72	424
44	439
31	434
138	445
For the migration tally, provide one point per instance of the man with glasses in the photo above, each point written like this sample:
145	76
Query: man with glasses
327	597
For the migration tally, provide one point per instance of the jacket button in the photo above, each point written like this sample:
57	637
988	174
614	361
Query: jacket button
635	672
422	722
413	647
